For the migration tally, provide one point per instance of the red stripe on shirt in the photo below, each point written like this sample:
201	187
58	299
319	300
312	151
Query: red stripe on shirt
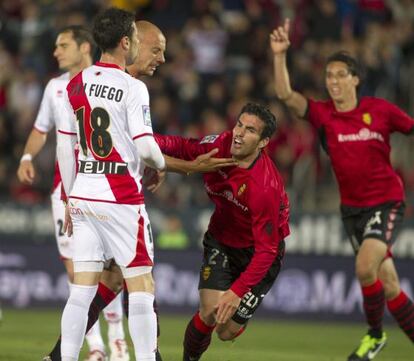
141	255
102	200
57	179
66	133
142	135
108	65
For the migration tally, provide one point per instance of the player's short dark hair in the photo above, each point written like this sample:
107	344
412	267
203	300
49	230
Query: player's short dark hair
344	57
264	114
80	34
110	26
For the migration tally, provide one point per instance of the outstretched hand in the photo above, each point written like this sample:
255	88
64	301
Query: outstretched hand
153	178
206	163
279	38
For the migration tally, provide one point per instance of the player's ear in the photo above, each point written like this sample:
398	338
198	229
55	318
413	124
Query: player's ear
85	48
264	142
355	80
125	43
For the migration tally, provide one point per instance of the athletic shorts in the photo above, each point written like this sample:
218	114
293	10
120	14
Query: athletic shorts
105	230
64	243
381	222
222	265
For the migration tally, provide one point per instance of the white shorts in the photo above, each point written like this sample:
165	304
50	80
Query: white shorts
64	243
103	231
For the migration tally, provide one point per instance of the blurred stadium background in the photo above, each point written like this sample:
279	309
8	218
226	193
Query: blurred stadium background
217	59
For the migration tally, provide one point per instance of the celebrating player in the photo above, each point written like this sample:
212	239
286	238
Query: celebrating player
355	133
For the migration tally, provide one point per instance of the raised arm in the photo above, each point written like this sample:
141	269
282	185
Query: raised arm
279	43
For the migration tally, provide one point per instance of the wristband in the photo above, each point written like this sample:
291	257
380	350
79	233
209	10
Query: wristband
26	157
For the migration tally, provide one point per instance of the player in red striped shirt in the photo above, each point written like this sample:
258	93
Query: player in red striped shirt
355	132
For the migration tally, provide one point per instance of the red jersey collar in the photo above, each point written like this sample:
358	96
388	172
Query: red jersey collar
349	112
108	65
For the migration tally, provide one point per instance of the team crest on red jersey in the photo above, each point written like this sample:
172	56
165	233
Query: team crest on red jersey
241	189
366	118
206	273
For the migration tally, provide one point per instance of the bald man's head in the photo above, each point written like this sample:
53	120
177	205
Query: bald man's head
151	49
145	28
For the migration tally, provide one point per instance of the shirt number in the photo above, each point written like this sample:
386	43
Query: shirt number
100	139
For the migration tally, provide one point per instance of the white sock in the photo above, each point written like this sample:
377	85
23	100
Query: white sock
142	323
113	315
74	320
94	338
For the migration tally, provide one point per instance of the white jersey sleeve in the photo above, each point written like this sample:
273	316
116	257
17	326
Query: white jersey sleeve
45	120
69	126
65	152
150	152
139	123
51	112
139	115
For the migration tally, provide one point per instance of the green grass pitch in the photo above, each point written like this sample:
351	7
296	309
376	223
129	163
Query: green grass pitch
26	335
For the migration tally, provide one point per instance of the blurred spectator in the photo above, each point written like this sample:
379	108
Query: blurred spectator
172	236
324	21
207	41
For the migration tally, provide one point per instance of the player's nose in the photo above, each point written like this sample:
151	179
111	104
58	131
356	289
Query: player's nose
161	59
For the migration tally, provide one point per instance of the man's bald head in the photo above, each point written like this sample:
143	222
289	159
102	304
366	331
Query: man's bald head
151	49
145	28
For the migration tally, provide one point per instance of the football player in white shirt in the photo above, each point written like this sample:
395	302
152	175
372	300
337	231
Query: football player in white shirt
74	45
151	49
106	200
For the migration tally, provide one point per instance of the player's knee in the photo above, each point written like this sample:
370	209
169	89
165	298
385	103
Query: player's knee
115	283
225	334
139	280
82	296
365	272
207	315
391	286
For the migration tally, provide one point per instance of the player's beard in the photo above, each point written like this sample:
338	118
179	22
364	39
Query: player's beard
132	55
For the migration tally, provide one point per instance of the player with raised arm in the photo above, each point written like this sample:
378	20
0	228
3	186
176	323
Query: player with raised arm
355	132
73	51
113	127
244	243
